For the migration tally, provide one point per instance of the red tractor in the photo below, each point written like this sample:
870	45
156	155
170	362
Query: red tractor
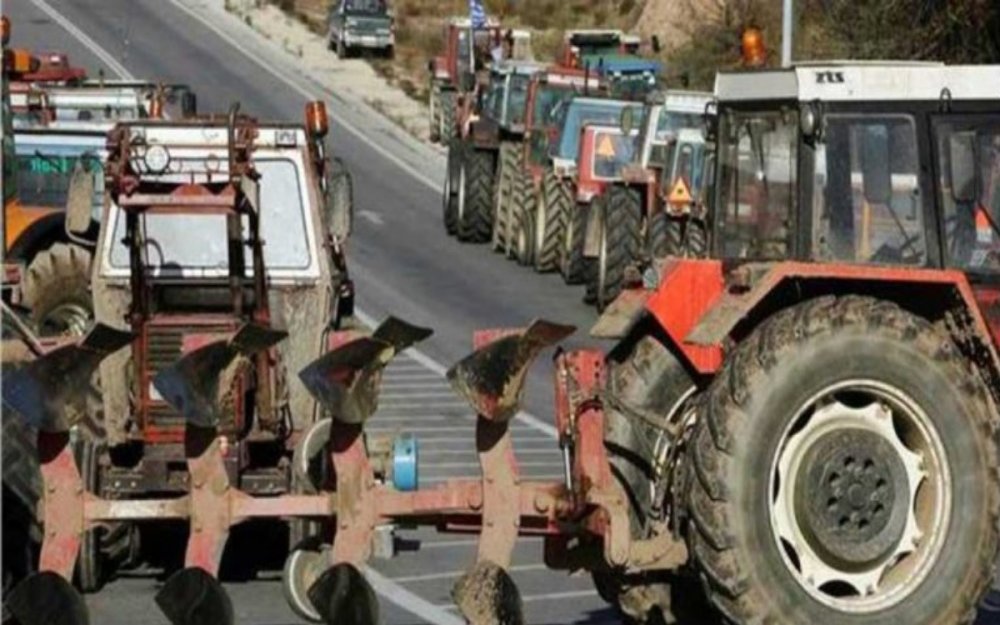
467	51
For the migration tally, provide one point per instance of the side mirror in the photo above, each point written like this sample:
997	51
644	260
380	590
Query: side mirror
79	200
339	206
875	165
962	166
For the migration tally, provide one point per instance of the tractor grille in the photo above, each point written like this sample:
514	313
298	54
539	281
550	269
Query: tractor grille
164	346
164	349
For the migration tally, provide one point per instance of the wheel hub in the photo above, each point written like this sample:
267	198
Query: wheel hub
852	502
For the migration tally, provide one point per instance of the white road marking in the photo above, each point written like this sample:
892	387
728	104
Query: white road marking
308	95
447	574
372	217
85	39
409	601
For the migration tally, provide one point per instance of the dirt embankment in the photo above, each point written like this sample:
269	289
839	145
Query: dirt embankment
302	34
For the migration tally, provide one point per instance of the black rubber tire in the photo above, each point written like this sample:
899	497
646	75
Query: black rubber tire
92	568
507	167
554	204
58	280
22	488
433	110
389	53
340	190
342	51
696	238
449	195
448	120
621	244
475	219
767	378
666	236
572	264
523	199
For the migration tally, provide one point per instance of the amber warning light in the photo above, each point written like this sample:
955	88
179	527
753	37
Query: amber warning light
316	119
754	51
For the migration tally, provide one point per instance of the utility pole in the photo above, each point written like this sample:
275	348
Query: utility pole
786	34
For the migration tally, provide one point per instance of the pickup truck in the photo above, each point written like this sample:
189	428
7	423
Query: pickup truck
361	24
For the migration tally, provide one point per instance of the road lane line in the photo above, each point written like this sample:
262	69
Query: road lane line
408	579
409	601
85	39
309	95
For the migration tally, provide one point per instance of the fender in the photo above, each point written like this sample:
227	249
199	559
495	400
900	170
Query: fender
30	230
701	308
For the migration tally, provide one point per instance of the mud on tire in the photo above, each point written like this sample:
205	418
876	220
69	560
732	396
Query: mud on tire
821	360
57	290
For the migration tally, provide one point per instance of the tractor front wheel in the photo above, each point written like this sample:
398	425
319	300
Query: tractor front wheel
452	188
509	163
572	264
447	122
523	208
475	207
846	472
620	244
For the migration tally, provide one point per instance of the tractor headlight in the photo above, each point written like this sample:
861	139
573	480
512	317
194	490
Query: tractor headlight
157	159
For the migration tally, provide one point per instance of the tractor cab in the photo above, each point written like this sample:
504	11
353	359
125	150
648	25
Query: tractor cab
669	112
627	76
870	164
546	92
578	44
211	225
505	100
571	116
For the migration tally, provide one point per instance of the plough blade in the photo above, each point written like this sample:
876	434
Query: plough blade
193	597
192	384
491	378
45	390
345	380
46	598
343	596
487	595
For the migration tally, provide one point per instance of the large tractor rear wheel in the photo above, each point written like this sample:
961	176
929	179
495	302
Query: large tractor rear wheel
620	244
57	291
846	472
453	187
523	200
553	209
572	264
475	206
509	164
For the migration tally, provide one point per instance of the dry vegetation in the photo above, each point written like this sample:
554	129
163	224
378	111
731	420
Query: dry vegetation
701	36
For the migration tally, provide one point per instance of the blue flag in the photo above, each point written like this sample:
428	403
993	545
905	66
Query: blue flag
477	14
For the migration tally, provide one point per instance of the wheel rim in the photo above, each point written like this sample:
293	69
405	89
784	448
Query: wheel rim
69	319
860	490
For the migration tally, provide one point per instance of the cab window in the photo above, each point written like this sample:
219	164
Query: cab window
866	192
968	156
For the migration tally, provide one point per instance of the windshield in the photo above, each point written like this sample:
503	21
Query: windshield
670	122
571	119
968	155
689	165
44	172
517	99
866	196
757	185
376	7
199	241
546	99
612	151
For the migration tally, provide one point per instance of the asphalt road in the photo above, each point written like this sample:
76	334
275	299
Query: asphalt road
403	264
